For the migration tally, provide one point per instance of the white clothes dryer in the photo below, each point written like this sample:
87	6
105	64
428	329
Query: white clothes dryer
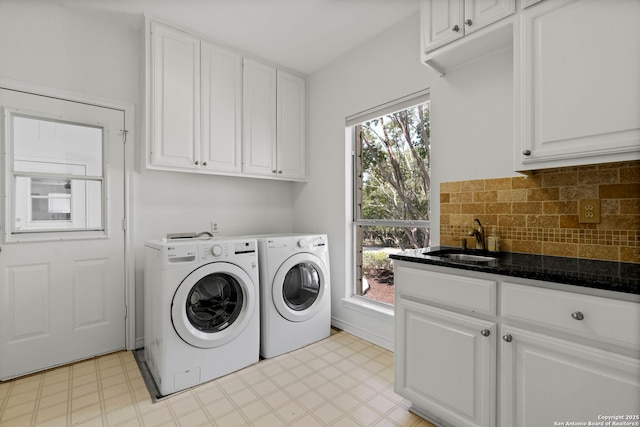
295	292
201	310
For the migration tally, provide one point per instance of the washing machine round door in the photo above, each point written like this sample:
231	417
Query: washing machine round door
301	287
213	305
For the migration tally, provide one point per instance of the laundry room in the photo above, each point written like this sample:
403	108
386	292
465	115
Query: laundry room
187	183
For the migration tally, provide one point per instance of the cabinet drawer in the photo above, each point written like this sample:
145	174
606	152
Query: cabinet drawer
467	293
603	319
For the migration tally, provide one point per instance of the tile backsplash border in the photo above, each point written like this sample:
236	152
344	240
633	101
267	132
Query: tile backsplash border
538	213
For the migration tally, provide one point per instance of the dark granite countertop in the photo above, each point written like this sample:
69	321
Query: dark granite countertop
607	275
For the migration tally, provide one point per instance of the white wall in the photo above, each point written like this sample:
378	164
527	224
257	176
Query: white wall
471	138
82	54
52	46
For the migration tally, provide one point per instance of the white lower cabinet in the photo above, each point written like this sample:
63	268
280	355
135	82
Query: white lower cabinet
560	356
445	360
546	380
445	364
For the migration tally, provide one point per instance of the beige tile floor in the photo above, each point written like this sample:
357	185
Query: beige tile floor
340	381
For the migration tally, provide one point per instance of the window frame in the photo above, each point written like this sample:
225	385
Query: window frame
43	234
355	122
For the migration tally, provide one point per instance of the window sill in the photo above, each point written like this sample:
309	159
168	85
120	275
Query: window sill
369	307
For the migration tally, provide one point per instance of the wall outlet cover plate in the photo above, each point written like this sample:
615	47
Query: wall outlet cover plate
589	211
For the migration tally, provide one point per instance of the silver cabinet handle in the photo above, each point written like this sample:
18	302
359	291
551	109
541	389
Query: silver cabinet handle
204	164
507	337
527	152
485	332
455	28
197	162
468	22
577	315
280	171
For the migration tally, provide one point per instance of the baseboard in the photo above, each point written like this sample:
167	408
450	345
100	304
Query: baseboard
366	335
139	343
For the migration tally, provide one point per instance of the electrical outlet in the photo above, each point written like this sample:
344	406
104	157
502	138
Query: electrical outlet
589	211
214	228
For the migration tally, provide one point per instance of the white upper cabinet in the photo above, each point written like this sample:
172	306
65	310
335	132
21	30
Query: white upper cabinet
274	122
291	128
444	21
174	108
480	13
199	103
527	3
259	125
577	90
221	109
195	104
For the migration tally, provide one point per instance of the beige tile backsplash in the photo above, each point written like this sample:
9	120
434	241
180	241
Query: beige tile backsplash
538	213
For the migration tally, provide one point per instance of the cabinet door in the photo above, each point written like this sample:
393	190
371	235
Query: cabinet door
529	3
547	380
442	21
445	365
480	13
291	126
221	110
259	118
577	89
175	97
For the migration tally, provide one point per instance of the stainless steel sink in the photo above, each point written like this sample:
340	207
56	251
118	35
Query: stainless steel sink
467	256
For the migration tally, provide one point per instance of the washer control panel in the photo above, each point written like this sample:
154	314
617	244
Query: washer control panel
220	250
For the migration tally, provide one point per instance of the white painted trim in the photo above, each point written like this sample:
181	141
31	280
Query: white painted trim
377	311
130	257
129	124
366	335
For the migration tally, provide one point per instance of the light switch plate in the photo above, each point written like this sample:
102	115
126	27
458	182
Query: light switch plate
589	211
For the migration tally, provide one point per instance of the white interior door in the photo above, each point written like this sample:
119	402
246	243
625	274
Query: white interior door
62	287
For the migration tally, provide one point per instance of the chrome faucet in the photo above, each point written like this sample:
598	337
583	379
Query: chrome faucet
478	233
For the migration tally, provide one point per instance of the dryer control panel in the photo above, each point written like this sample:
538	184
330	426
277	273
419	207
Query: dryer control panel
312	243
295	243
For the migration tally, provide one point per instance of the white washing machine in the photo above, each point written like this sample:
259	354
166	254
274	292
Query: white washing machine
295	292
202	318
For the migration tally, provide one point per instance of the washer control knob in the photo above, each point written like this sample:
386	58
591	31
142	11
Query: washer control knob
302	243
216	250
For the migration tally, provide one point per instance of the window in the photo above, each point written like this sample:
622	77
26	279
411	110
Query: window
391	190
57	176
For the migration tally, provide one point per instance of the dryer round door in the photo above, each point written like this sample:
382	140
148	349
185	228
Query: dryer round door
301	287
213	305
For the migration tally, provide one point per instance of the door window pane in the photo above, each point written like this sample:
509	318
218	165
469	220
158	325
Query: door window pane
46	204
43	145
57	175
